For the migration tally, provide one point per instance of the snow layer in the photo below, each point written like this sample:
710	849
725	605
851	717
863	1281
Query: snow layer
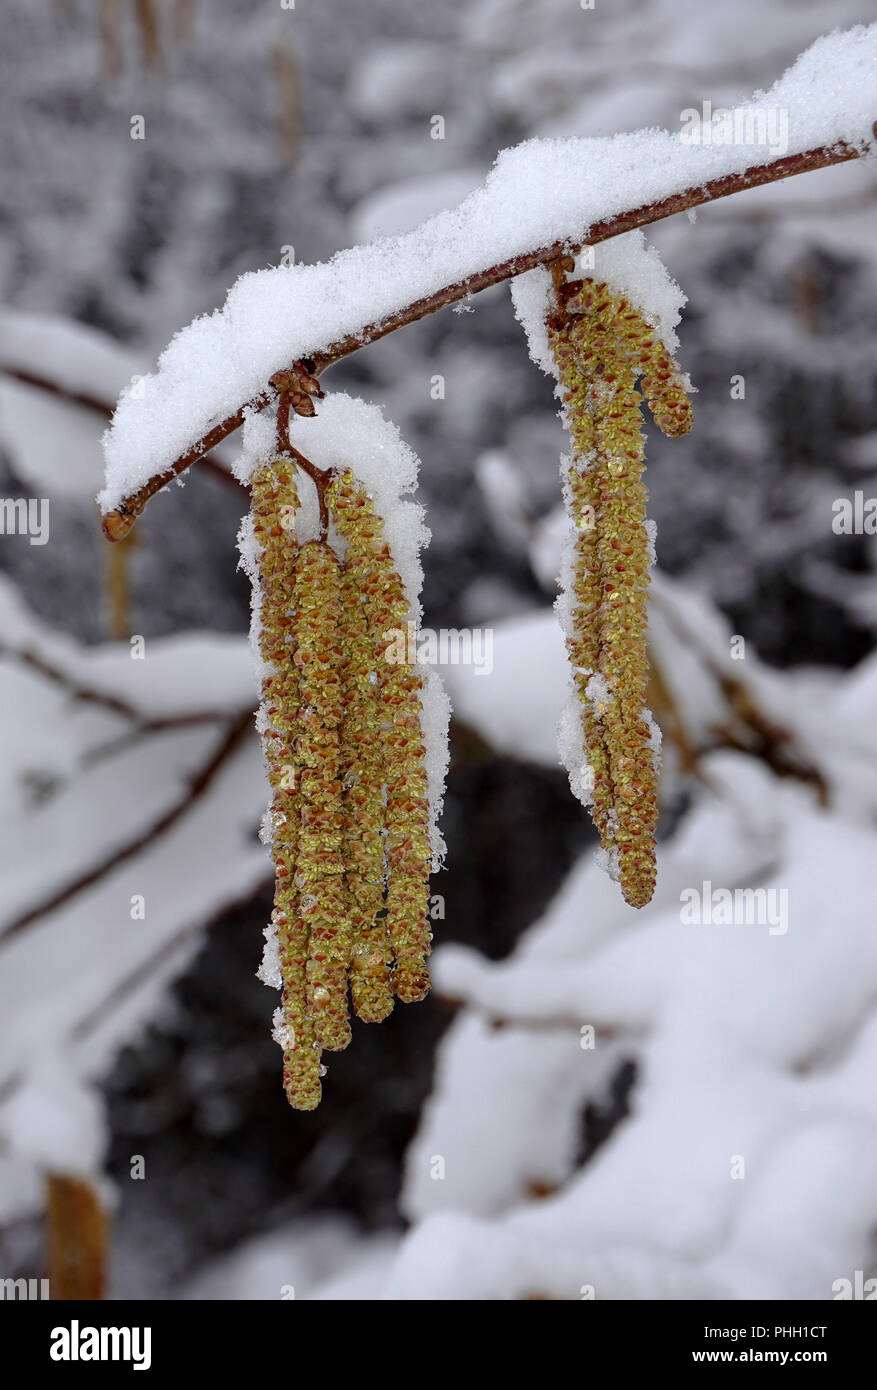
630	266
83	785
537	193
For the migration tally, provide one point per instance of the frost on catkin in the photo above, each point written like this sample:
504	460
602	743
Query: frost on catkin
601	347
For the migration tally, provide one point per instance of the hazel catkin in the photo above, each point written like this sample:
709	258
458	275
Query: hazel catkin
601	347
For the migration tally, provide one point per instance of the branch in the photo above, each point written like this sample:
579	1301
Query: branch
303	405
117	523
757	733
101	407
77	691
80	693
141	974
197	785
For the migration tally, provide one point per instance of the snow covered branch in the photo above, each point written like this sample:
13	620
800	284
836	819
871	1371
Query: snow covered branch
118	520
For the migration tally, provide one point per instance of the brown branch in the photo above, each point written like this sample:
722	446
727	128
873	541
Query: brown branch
162	724
150	41
756	732
117	523
75	689
143	723
321	478
140	975
100	407
54	388
146	970
197	786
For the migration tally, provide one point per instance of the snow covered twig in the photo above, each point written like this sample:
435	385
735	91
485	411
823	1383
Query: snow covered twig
118	521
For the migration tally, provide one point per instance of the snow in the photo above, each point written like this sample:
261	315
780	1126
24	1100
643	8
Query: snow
291	1262
269	971
51	437
748	1047
79	359
629	266
537	193
53	448
530	672
80	782
182	675
55	1121
400	207
392	79
543	1123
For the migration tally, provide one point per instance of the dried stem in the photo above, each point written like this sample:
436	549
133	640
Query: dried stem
118	523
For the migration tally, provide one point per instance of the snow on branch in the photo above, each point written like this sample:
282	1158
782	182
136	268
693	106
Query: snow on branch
542	199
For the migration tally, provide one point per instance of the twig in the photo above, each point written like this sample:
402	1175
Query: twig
601	231
321	477
101	407
75	689
772	743
196	788
88	694
140	975
162	724
117	523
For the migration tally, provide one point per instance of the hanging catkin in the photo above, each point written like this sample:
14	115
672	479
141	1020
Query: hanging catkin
342	736
408	854
273	504
601	347
319	874
364	814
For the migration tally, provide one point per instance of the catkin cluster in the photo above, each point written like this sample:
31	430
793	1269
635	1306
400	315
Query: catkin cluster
342	735
602	347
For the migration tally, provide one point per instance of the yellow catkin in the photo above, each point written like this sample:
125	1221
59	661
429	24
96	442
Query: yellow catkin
583	502
362	772
319	872
601	347
408	854
273	505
